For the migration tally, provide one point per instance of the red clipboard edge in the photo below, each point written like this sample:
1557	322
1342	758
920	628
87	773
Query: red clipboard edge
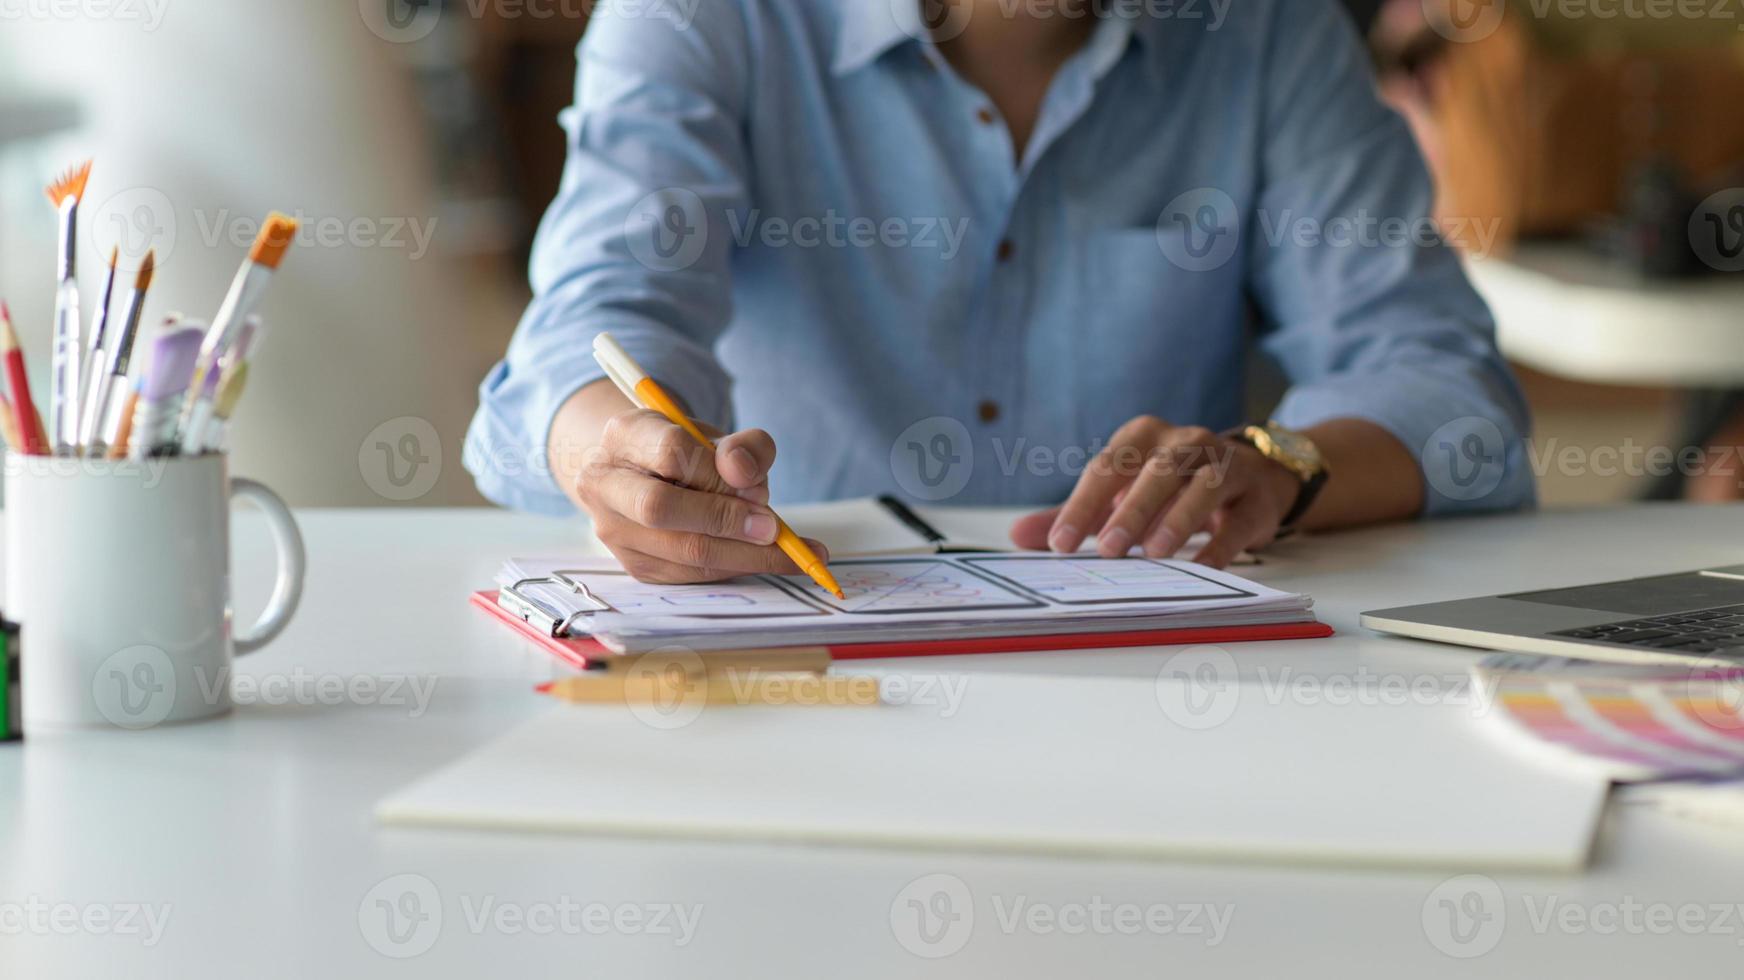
582	653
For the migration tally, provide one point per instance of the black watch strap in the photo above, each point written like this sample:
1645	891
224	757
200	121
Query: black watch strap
1304	500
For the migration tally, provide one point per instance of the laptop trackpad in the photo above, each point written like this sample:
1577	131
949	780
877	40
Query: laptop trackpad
1657	596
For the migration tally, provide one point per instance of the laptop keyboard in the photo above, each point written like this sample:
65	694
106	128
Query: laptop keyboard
1701	631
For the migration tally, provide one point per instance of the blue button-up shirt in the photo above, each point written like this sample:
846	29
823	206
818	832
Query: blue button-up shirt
796	216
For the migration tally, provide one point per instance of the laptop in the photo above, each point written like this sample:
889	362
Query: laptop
1684	618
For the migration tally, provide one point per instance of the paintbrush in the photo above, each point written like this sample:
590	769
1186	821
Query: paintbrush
161	397
103	414
275	238
235	379
68	375
94	356
18	388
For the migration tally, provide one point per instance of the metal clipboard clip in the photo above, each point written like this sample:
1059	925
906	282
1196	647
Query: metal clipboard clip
557	622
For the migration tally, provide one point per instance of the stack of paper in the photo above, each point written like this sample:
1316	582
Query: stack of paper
943	597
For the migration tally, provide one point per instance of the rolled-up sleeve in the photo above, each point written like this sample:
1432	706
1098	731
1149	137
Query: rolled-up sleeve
636	241
1370	314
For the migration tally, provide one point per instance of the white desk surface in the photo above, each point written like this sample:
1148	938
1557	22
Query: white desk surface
1565	311
255	830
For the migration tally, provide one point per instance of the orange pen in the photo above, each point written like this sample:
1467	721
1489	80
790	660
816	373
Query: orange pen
643	390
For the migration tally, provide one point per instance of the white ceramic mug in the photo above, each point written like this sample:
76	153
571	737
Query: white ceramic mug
119	574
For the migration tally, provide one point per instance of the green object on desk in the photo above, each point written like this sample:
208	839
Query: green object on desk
11	711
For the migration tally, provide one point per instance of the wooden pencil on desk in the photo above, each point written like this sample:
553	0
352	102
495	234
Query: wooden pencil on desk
800	690
782	660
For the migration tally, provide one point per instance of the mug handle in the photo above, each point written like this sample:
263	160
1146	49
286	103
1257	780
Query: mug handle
288	590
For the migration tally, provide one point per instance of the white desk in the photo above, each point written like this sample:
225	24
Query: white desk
255	830
1567	312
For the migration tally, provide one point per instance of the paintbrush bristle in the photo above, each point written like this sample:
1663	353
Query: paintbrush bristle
275	238
172	364
146	270
114	255
70	186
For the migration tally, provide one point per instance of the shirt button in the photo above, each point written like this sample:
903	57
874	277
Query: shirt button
985	115
988	411
1006	250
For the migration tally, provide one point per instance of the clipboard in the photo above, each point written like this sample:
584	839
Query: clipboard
584	653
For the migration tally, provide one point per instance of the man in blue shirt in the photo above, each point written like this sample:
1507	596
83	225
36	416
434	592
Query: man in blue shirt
993	252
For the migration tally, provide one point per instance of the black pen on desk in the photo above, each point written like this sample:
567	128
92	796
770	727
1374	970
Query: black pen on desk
906	515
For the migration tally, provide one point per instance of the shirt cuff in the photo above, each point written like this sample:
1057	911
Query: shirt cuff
508	446
1473	457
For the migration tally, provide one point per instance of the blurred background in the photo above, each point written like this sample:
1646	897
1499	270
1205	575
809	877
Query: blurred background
1589	156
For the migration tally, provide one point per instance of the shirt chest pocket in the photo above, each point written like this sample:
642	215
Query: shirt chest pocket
1161	322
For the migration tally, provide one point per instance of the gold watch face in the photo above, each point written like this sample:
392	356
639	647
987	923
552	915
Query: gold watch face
1290	448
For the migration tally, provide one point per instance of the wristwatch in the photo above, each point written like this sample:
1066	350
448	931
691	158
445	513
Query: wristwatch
1296	453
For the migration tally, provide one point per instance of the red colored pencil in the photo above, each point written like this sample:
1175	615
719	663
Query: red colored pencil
18	387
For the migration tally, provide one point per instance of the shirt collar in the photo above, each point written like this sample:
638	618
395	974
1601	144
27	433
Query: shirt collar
869	28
